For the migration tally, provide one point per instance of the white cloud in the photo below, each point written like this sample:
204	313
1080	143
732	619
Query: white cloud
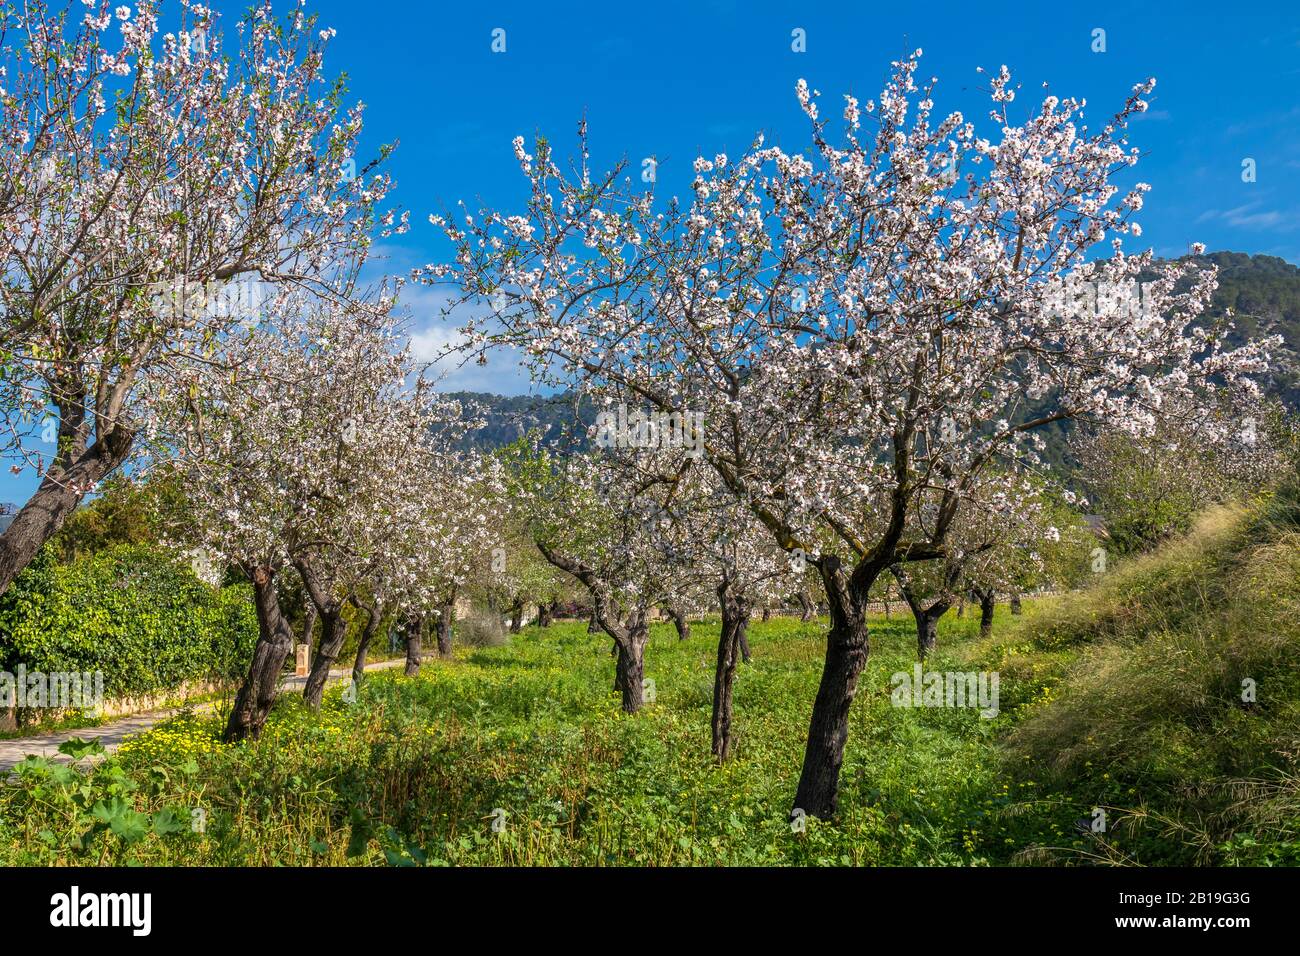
435	329
1248	216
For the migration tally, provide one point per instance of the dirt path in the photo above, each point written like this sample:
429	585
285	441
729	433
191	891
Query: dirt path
113	734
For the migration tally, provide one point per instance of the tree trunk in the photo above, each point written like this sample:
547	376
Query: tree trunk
593	625
413	628
742	637
961	606
1015	603
363	644
544	615
679	621
808	609
927	624
734	615
59	493
308	621
334	631
927	633
847	648
274	644
927	618
986	614
516	615
445	614
767	613
629	671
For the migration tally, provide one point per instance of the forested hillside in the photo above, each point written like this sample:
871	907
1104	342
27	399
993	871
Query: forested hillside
1262	291
1264	294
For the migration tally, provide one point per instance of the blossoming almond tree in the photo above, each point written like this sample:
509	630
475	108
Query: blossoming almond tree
395	510
451	542
885	317
156	185
614	527
305	447
1001	521
727	547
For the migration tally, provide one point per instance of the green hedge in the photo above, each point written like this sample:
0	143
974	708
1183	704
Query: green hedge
132	612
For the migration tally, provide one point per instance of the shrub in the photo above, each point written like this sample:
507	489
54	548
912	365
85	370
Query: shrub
132	612
481	630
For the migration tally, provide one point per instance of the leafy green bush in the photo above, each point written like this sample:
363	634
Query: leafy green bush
97	804
482	629
130	611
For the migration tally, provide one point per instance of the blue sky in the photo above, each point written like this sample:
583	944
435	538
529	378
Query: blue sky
673	79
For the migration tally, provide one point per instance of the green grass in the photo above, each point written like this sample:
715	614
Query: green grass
535	729
1142	711
1124	697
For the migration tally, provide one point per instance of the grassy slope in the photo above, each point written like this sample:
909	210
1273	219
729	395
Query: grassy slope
1142	708
1125	697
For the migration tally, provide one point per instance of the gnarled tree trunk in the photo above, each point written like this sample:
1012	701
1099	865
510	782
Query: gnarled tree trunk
927	633
808	610
986	613
629	670
75	471
847	648
1015	603
414	627
445	614
679	621
274	644
517	616
334	631
545	616
363	644
735	614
